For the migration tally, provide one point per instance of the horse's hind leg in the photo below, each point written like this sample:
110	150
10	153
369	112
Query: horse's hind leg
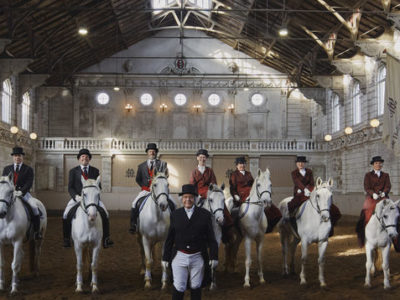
142	256
321	262
385	266
79	281
368	265
304	249
259	242
1	268
164	276
95	259
147	246
16	265
247	245
284	244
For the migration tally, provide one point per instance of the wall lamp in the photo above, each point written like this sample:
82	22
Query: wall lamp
163	107
231	108
197	108
128	107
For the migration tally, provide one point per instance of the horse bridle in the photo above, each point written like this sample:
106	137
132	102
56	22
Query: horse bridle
382	222
318	209
83	205
259	195
8	203
154	196
209	203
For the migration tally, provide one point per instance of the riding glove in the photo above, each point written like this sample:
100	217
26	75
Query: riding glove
375	196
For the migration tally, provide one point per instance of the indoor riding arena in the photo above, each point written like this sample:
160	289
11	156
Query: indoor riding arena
110	108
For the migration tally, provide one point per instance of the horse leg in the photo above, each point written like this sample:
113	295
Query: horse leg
321	261
368	265
16	265
147	246
164	276
1	268
235	249
247	245
292	251
259	241
93	265
78	253
142	257
284	245
304	249
385	266
36	255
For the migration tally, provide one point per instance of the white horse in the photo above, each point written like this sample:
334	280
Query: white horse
14	225
87	232
313	223
379	232
154	220
253	222
214	203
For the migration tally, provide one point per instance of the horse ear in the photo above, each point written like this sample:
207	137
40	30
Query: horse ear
223	186
11	176
98	180
258	172
211	187
330	182
268	172
397	203
319	182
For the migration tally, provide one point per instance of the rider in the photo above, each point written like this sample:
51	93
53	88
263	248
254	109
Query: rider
145	173
303	180
240	183
23	180
85	172
201	178
377	187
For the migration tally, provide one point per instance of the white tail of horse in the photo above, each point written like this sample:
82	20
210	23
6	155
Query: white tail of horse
87	231
313	223
253	222
153	224
379	232
14	225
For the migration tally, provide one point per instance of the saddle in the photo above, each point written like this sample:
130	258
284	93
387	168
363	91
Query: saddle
142	200
72	212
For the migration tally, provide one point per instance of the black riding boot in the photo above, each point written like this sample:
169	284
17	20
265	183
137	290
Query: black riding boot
177	295
107	242
36	227
134	217
67	233
195	294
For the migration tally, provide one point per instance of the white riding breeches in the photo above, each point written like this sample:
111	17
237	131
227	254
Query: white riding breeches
32	202
72	203
140	195
184	265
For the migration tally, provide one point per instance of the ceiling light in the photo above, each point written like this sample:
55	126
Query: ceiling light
283	31
116	88
348	130
374	123
33	136
328	138
82	30
14	129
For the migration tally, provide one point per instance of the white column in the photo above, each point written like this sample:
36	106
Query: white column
254	163
106	174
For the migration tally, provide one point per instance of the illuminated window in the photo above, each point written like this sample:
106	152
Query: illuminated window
6	101
257	99
26	104
356	103
146	99
380	85
214	99
180	99
103	98
335	113
161	5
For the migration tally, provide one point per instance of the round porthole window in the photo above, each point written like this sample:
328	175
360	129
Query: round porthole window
180	99
146	99
257	99
103	98
214	99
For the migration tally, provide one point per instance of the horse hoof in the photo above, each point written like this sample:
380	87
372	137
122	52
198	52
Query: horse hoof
387	287
147	285
323	286
367	285
262	281
303	282
78	290
246	285
95	289
164	286
213	287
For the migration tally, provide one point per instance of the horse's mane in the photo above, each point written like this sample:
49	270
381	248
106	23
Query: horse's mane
88	182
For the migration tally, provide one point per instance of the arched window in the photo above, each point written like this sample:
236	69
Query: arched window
380	87
356	103
26	103
335	113
6	101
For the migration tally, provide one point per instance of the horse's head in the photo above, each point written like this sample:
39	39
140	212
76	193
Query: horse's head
216	201
322	198
6	194
90	197
263	186
387	212
160	190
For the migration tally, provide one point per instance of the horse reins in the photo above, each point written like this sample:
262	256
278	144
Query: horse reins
209	204
83	205
154	196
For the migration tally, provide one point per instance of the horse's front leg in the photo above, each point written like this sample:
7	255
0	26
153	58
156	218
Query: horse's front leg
385	266
368	264
95	259
247	245
164	276
147	246
16	265
79	280
284	244
321	261
260	241
304	248
1	268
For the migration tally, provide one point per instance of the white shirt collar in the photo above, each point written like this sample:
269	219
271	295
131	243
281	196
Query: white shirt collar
15	166
378	172
189	211
243	172
302	172
149	162
201	169
87	167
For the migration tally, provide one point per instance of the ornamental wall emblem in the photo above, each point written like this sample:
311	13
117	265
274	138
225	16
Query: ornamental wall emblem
180	67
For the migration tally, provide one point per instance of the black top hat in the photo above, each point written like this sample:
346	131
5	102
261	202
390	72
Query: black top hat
84	151
188	189
301	159
151	146
202	151
17	151
376	158
240	160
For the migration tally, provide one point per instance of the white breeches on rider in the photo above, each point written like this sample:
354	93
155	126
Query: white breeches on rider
187	264
140	195
32	202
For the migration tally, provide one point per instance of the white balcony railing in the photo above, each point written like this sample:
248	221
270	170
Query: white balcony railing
172	146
